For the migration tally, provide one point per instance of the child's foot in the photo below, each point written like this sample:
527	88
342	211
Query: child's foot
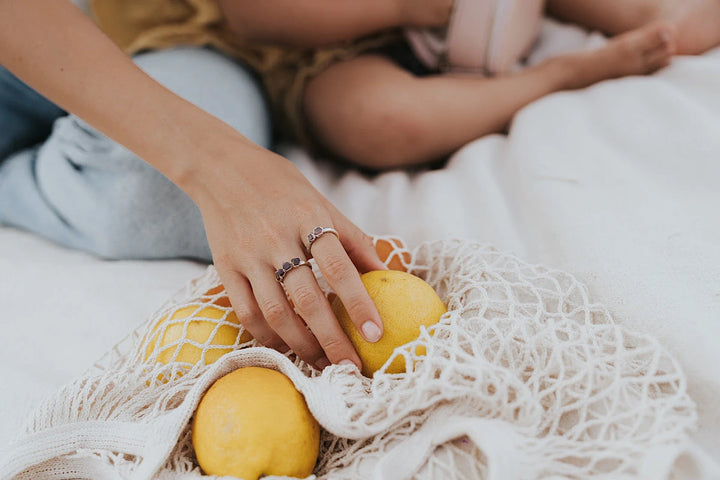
638	52
698	24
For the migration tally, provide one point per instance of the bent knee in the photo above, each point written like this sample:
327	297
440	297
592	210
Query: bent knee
144	216
117	205
376	131
216	83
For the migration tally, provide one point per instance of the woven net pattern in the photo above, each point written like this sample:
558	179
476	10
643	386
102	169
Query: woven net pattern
524	377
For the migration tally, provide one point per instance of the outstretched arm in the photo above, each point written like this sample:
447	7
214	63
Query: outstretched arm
314	23
56	49
252	224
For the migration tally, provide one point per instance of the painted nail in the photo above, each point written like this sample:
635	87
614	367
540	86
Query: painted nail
322	363
347	362
371	332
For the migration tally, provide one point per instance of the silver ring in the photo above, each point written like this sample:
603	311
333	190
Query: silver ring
289	265
319	232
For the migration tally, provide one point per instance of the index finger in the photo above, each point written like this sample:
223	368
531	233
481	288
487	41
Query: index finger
344	278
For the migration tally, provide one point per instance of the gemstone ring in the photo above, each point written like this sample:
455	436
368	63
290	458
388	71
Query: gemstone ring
319	232
289	265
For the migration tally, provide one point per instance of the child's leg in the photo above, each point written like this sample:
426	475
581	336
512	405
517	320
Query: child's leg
372	113
697	21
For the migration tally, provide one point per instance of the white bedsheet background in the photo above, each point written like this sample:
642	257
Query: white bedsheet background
617	184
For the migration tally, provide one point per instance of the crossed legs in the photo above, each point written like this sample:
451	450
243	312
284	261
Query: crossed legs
697	21
372	113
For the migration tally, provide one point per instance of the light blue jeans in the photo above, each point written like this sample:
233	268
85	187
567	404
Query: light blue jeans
64	180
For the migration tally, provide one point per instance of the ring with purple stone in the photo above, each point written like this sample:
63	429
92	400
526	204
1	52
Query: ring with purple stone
287	266
319	232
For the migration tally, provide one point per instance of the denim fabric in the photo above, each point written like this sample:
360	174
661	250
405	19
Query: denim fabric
76	187
26	117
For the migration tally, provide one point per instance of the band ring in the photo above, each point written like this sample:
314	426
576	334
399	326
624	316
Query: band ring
319	232
289	265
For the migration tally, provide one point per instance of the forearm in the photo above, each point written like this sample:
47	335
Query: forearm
57	50
310	23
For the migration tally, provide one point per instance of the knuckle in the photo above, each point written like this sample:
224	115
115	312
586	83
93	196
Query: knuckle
274	312
305	299
276	344
270	341
367	240
356	306
245	315
308	353
265	339
310	212
222	260
334	346
336	267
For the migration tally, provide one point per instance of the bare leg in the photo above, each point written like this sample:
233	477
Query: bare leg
372	113
697	21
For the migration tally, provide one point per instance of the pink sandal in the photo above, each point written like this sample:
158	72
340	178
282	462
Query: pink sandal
483	36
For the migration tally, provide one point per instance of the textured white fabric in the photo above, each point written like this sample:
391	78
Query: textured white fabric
616	184
61	310
524	377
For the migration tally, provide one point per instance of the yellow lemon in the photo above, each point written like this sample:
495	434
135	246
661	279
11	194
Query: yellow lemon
170	334
253	422
405	302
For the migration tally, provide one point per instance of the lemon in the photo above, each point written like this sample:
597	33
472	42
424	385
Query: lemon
170	334
253	422
405	302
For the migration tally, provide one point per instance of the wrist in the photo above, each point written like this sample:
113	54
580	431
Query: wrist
206	160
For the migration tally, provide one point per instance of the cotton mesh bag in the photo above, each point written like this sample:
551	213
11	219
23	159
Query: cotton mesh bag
523	378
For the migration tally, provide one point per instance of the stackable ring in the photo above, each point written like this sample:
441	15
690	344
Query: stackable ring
319	232
287	266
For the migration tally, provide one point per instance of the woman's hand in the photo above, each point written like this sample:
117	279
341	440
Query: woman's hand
257	207
258	212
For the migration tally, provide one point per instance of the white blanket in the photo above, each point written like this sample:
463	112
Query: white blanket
617	184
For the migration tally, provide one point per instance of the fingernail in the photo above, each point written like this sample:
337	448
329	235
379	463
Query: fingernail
347	362
322	363
371	332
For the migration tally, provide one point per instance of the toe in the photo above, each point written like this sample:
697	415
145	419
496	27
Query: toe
656	62
662	37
